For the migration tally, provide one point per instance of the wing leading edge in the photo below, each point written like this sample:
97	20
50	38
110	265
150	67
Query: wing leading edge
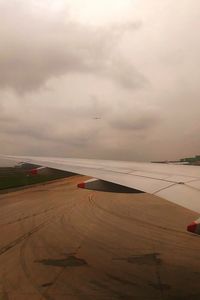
179	184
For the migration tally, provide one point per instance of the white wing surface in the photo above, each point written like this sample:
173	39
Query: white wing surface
179	184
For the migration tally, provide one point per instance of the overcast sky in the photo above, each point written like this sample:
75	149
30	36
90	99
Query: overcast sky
115	79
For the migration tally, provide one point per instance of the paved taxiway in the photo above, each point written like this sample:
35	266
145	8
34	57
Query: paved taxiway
60	242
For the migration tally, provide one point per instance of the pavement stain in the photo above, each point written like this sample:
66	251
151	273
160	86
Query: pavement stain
114	292
3	293
185	297
120	280
47	284
70	261
145	259
99	284
160	286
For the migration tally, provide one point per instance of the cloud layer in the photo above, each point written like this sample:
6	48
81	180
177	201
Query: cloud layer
36	48
122	89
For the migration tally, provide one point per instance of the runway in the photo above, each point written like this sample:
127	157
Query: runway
61	242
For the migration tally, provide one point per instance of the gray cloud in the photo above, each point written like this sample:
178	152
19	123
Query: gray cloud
135	119
66	73
58	125
35	49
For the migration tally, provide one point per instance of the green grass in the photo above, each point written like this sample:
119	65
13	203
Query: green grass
16	177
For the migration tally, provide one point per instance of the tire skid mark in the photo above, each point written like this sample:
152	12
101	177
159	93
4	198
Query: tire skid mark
15	242
27	217
144	223
16	208
23	237
147	238
66	222
23	264
55	219
93	205
111	251
159	283
40	289
80	234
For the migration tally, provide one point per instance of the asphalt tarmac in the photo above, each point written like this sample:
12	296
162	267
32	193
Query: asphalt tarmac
61	242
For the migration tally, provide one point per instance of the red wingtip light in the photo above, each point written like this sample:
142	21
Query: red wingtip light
81	185
192	227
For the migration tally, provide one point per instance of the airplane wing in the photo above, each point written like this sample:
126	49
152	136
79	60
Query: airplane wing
179	184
